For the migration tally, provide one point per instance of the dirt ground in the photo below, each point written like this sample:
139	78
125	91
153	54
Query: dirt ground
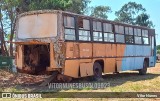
27	82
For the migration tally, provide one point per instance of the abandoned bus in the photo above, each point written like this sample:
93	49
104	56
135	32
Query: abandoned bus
79	46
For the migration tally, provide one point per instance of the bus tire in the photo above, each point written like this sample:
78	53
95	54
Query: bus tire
143	71
97	71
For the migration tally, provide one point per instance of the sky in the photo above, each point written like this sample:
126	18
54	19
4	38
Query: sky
152	8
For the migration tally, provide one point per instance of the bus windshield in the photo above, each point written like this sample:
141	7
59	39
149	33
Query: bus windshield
37	26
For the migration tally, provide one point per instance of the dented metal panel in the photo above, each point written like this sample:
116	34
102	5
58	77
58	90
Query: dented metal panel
86	69
71	68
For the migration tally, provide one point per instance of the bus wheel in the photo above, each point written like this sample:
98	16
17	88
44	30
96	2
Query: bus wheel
143	71
97	70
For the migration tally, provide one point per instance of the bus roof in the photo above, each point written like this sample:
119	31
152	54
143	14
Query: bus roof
74	14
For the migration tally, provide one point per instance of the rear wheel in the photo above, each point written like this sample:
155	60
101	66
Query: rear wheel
143	71
97	70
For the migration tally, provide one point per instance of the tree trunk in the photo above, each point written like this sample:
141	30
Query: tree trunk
3	44
12	35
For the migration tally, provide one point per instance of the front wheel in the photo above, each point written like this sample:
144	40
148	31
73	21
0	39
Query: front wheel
143	71
97	70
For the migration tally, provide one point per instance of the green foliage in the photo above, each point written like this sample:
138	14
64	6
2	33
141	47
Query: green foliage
133	13
100	11
158	47
76	6
143	20
7	20
158	51
49	4
79	6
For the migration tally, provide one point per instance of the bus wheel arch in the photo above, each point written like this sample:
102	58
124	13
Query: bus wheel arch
147	61
98	68
143	71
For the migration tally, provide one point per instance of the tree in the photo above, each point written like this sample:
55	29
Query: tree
143	20
76	6
49	4
8	20
100	11
133	13
158	51
79	6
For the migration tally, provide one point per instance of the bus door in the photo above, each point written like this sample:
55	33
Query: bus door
153	48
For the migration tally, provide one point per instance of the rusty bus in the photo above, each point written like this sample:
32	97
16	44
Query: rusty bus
78	46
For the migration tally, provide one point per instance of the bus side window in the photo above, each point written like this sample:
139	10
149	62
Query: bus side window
84	29
108	32
119	33
69	28
145	37
97	31
137	36
129	35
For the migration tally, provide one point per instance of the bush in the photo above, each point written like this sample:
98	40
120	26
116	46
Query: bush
158	51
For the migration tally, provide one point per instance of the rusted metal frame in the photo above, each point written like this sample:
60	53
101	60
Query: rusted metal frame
91	35
124	34
106	57
59	45
113	26
38	12
91	31
141	37
29	43
102	31
133	36
76	28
